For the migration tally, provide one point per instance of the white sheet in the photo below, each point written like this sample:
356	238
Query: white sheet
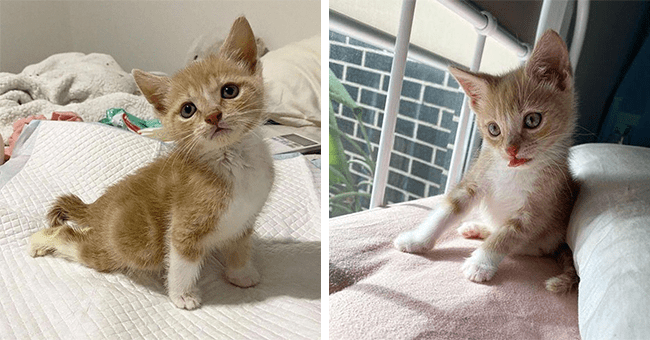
52	298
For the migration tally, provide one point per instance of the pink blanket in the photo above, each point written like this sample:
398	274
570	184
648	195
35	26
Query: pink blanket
377	292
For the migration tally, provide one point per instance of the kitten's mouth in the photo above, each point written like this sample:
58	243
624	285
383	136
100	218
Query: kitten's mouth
219	131
515	162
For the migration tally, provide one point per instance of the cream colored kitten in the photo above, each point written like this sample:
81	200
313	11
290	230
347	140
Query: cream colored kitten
520	185
204	196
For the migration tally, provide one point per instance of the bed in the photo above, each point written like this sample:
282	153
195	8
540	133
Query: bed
377	292
50	298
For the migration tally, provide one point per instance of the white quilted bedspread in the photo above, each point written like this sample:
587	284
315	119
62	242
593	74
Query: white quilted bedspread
50	298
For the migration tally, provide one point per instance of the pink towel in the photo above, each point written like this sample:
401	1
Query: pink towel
20	124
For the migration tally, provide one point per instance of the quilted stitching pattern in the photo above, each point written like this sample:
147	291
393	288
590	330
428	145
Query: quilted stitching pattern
301	208
52	298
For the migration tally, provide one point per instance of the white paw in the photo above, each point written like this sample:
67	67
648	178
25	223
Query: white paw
244	277
36	250
481	266
411	242
187	301
478	272
473	230
39	244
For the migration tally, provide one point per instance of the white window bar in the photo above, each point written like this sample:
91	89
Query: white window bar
392	103
466	136
465	131
579	31
556	15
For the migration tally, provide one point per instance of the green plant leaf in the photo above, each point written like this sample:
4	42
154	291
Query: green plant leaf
349	194
339	94
344	193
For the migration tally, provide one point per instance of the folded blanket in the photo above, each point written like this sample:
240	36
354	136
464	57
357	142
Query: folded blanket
85	84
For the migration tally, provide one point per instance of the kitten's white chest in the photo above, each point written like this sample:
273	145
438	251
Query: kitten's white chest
252	172
509	192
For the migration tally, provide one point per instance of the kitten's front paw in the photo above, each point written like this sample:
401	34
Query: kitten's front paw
410	242
478	272
187	301
479	267
244	277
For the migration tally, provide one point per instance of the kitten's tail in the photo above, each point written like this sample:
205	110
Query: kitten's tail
568	280
68	210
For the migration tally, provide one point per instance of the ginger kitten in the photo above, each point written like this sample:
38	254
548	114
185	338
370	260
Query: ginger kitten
520	186
205	195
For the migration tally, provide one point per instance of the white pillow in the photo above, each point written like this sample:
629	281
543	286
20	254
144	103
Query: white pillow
292	83
609	233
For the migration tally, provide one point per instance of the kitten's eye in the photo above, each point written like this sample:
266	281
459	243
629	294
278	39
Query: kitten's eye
532	120
494	129
188	110
229	91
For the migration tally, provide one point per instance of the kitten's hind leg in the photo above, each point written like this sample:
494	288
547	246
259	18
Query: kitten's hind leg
474	229
59	241
568	280
41	243
239	269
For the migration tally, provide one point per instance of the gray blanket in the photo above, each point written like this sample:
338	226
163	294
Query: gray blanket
87	85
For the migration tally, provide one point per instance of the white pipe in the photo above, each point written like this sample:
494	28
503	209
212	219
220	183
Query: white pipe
392	103
579	31
466	11
464	128
353	28
481	22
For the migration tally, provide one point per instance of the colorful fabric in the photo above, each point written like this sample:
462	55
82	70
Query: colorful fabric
120	118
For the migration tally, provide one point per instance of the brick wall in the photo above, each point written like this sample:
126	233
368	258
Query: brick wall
426	123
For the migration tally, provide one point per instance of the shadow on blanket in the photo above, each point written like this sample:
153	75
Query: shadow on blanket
288	268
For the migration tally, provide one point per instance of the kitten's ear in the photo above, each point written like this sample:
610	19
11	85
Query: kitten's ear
240	43
154	88
475	85
550	61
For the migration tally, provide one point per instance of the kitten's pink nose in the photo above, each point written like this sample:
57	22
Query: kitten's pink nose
512	151
213	119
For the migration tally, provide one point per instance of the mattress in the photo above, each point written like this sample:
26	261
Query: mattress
50	298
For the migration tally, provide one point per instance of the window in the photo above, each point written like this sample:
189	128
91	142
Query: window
429	107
